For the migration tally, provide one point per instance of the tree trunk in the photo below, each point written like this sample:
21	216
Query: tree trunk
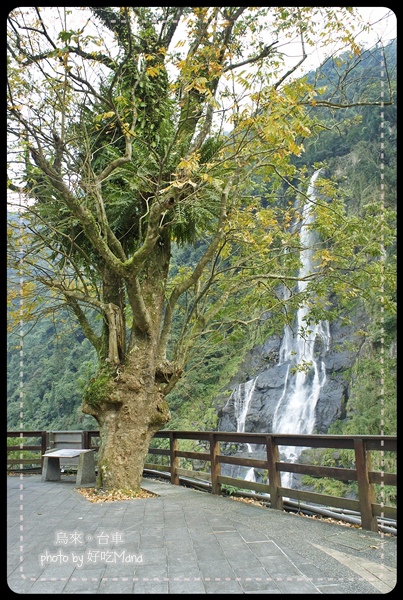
129	409
126	396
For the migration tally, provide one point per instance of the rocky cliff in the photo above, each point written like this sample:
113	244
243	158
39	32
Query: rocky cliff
262	364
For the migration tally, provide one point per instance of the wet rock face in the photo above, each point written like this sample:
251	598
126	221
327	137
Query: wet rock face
331	404
270	380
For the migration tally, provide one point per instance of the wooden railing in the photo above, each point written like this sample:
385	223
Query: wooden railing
214	456
38	449
363	446
44	443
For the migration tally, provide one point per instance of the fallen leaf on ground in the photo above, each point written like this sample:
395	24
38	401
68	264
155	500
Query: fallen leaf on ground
248	501
100	495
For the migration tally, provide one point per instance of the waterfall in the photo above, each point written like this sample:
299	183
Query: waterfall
295	411
250	475
301	345
242	396
242	399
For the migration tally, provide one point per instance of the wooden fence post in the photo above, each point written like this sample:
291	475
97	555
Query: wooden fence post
86	440
43	446
276	499
215	465
173	448
366	493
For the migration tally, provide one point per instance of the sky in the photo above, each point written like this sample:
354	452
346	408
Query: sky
385	28
382	21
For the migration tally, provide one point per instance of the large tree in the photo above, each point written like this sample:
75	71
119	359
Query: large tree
136	129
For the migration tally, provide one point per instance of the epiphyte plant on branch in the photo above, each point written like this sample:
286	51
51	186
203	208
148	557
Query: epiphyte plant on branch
136	130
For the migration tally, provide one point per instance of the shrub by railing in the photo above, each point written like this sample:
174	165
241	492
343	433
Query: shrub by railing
365	505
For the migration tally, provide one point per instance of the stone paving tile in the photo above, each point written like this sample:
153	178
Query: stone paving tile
279	566
179	533
151	587
151	541
151	571
131	538
254	579
172	528
217	522
19	584
334	588
171	507
207	544
48	587
122	585
262	586
216	570
200	535
189	542
240	558
182	565
229	539
264	548
289	585
84	581
222	587
152	556
184	547
186	586
114	571
309	570
211	557
270	591
59	571
189	571
30	566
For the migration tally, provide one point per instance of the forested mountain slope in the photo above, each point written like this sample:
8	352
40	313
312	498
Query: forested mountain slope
58	360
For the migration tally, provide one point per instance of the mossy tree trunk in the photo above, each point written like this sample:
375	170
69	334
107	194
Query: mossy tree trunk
129	408
127	396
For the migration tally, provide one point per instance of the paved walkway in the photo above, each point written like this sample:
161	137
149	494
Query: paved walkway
182	542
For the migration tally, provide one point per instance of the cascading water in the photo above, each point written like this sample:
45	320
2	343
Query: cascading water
306	374
295	409
242	399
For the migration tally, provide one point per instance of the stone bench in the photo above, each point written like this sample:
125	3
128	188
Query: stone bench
85	470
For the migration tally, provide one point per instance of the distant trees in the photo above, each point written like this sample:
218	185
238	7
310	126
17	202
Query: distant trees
57	363
143	128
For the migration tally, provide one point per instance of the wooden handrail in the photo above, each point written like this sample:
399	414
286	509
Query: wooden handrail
40	448
362	445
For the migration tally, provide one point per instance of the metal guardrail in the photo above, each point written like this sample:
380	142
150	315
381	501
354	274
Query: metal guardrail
365	505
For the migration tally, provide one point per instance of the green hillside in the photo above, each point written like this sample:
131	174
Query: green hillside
58	360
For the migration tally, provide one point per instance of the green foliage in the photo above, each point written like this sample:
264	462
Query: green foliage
98	388
159	459
192	402
135	100
57	364
327	485
35	455
371	410
229	489
356	125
